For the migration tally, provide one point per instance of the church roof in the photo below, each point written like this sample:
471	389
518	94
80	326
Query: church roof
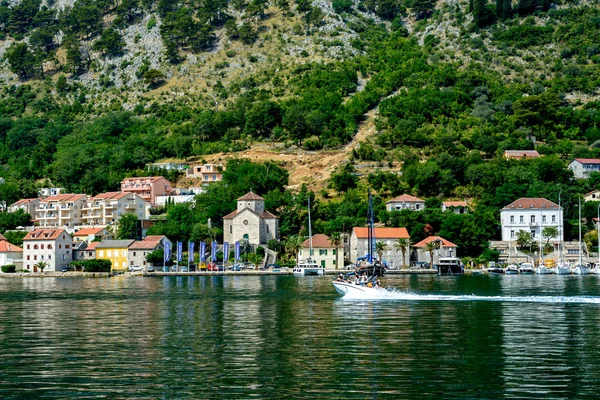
263	215
250	196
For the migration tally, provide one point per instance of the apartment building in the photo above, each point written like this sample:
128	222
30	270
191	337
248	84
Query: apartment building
206	172
62	210
107	208
147	187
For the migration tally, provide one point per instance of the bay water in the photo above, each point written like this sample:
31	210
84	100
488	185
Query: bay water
278	337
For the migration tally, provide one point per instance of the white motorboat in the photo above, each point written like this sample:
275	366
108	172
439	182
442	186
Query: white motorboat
561	269
596	269
344	288
511	269
308	268
543	270
526	269
581	269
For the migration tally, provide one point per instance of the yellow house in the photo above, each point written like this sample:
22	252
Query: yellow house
116	251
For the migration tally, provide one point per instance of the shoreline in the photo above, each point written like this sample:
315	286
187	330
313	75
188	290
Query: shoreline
94	275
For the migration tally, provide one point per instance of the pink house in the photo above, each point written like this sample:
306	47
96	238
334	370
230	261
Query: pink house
147	187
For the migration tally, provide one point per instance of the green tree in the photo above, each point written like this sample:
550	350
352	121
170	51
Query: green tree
293	245
524	239
110	42
402	245
41	265
22	62
430	248
153	77
380	247
548	233
127	227
503	9
336	239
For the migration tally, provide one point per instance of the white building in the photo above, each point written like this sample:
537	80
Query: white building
392	257
10	254
405	202
61	210
53	246
107	208
250	221
594	195
445	248
457	207
324	253
139	250
583	167
530	215
27	205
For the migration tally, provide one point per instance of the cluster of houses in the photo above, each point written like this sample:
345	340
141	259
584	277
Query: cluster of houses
77	227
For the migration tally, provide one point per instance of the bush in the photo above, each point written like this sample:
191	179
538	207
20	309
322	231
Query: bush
97	265
8	269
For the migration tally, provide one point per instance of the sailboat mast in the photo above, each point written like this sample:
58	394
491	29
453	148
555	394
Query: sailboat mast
580	249
370	230
310	250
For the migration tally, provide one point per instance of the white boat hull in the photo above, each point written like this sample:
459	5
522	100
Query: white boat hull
561	271
344	288
309	271
543	271
581	270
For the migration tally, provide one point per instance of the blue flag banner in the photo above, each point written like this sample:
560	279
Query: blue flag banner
213	250
167	251
225	251
190	252
202	251
237	251
179	251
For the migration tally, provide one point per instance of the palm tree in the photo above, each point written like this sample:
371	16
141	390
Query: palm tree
41	265
402	245
430	248
380	247
293	246
336	239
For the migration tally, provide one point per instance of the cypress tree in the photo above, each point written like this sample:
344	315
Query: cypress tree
482	14
503	9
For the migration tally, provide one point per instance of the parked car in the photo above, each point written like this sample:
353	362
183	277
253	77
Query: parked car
150	268
136	268
237	267
214	267
249	265
183	269
68	269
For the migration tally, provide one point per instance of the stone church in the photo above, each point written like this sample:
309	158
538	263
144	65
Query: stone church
250	221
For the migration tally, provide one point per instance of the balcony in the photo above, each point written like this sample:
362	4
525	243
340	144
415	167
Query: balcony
533	224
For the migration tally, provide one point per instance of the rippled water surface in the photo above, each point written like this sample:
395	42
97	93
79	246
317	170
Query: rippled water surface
284	337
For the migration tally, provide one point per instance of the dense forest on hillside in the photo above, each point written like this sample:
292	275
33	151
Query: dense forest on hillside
454	85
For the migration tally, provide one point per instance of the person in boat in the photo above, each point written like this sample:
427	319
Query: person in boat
340	278
378	283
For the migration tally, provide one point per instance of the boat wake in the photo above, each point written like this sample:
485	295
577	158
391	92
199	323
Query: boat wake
406	296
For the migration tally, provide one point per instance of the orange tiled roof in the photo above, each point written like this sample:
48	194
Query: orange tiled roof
445	243
6	247
23	202
588	160
149	243
44	234
455	203
407	198
381	233
88	231
92	246
267	215
250	196
521	153
319	241
535	203
143	178
110	196
63	197
230	215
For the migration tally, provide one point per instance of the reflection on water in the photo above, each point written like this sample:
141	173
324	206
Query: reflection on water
284	337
